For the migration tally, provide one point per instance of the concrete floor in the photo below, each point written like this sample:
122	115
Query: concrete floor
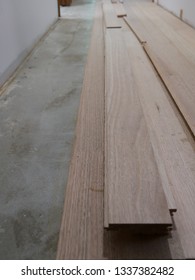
38	113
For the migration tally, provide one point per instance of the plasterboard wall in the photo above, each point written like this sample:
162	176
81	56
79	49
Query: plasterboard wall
174	6
22	23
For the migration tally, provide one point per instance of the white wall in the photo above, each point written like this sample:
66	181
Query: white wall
188	7
22	23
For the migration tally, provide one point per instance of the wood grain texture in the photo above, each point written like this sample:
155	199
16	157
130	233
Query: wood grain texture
136	55
176	148
176	71
179	34
81	234
134	188
110	18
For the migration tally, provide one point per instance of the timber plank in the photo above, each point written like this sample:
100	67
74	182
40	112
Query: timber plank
176	148
166	182
176	71
81	234
134	188
110	18
180	35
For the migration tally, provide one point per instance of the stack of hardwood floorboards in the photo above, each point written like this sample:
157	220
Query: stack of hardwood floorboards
131	185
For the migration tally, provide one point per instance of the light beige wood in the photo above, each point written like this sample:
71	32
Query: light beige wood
184	30
176	71
176	148
181	91
136	30
137	52
81	234
180	35
120	10
135	194
110	18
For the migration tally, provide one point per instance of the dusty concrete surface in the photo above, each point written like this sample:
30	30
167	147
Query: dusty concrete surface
38	115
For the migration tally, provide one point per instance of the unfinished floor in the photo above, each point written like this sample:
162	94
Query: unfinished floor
38	113
85	200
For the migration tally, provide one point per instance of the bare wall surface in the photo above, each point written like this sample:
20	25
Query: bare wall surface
22	23
174	6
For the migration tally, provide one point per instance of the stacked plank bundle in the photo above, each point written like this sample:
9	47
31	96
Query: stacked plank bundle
134	193
133	159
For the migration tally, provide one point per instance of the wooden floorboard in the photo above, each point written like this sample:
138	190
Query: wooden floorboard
168	60
176	148
81	234
147	91
133	183
178	33
110	18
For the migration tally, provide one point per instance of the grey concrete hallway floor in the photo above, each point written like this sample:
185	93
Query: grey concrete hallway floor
38	113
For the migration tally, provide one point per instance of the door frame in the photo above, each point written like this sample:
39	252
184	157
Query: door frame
59	13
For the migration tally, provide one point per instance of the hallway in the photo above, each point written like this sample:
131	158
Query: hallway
97	131
38	113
